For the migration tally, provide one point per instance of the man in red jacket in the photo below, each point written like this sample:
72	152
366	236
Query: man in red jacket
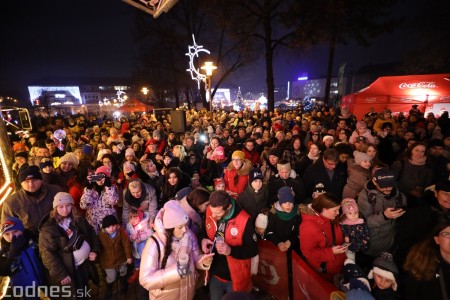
231	235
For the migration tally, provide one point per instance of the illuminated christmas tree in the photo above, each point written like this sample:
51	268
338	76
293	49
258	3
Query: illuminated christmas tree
239	102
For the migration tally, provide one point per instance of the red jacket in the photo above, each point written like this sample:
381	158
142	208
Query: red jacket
316	240
230	173
239	268
253	156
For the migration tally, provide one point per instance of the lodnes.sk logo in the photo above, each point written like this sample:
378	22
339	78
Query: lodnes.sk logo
54	291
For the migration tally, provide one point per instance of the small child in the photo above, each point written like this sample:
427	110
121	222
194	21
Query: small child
219	184
139	231
48	174
355	231
167	163
260	225
130	156
116	253
195	181
129	171
358	174
19	257
384	274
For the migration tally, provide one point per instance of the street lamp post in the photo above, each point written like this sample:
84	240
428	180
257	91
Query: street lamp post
209	68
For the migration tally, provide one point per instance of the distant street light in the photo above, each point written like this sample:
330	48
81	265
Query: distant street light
145	92
209	68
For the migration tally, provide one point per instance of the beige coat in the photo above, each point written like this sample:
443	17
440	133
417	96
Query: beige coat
167	283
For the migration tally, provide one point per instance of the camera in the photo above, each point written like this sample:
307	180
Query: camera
97	177
202	137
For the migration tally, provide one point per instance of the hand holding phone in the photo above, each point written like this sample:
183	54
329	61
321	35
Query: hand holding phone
97	177
346	245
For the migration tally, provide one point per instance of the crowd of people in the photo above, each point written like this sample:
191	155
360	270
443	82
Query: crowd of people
366	203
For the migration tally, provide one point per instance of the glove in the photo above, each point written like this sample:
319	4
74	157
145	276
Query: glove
108	182
18	243
183	269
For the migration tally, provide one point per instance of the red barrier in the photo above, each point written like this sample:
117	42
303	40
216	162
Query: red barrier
307	283
272	274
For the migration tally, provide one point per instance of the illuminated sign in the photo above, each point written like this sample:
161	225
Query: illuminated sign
418	85
55	95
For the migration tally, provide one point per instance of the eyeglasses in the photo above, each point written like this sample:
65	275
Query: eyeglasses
445	234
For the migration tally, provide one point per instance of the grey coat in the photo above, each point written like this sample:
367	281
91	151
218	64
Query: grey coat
372	204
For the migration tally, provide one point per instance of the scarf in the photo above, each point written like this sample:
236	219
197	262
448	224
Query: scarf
283	215
418	162
136	202
313	158
258	195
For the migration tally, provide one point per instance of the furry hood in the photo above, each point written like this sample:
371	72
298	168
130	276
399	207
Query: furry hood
245	170
307	210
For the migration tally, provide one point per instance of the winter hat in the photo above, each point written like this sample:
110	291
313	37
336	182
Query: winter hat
352	270
285	194
257	136
349	205
32	172
384	266
109	220
183	193
261	221
129	166
174	215
443	185
101	153
69	157
384	178
62	198
327	137
358	291
152	142
45	162
218	153
238	154
21	154
129	152
87	149
103	169
135	139
218	181
361	156
281	166
254	174
436	143
386	125
360	139
277	127
319	188
11	223
20	147
275	152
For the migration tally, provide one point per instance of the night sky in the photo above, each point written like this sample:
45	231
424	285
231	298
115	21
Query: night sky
93	38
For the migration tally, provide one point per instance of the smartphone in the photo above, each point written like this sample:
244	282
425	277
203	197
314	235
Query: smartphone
346	244
97	177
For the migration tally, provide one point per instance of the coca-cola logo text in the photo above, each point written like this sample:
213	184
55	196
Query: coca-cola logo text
418	85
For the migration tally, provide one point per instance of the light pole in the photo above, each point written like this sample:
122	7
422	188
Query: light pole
209	68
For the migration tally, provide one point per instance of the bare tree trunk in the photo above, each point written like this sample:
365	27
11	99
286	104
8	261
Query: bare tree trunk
331	50
269	56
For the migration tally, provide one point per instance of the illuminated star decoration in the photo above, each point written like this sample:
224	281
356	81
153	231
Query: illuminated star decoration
193	52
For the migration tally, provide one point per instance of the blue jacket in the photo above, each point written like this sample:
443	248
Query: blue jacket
25	269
